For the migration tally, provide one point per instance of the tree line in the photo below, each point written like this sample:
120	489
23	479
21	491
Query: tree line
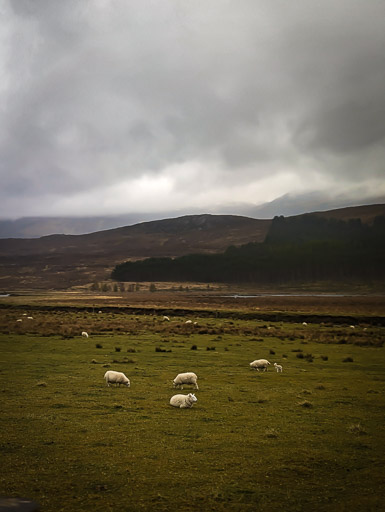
296	249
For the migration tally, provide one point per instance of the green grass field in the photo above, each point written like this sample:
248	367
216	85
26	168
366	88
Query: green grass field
309	439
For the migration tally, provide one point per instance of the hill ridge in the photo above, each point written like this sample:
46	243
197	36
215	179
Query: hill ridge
61	261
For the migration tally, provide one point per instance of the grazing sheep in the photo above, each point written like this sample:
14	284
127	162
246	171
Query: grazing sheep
112	377
19	320
185	378
29	317
85	334
304	323
188	322
166	319
183	401
278	367
260	364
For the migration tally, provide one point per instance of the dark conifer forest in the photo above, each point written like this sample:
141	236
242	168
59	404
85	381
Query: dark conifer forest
299	249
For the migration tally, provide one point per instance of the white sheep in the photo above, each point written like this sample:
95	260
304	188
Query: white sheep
185	378
117	378
278	367
85	334
304	323
19	320
260	364
183	401
188	322
29	317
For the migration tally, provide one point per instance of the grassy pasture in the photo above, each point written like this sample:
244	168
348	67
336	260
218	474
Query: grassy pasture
311	438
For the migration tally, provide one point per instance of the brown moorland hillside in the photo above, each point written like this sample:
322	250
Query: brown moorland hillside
366	213
63	261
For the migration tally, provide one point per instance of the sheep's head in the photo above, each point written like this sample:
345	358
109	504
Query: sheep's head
192	397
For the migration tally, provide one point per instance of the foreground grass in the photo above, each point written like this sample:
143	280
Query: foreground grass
311	438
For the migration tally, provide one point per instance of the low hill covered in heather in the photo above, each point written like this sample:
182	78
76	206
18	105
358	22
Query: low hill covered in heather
63	261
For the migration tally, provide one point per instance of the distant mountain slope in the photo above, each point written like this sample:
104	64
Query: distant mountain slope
365	213
298	204
169	237
287	205
36	227
61	261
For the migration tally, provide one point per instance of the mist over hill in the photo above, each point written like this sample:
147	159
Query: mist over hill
287	205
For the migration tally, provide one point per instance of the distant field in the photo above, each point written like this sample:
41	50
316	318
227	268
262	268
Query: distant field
352	301
309	439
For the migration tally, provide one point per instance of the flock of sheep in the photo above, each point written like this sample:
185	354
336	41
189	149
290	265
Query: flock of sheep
181	401
188	378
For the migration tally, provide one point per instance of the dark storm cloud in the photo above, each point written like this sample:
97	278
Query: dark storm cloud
351	126
103	99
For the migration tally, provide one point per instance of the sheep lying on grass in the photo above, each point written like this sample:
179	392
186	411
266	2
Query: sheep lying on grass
278	367
183	401
260	364
117	378
185	378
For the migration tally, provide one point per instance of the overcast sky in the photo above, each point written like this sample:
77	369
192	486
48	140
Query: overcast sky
115	106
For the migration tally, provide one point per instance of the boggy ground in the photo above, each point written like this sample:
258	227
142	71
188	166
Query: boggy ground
352	301
311	304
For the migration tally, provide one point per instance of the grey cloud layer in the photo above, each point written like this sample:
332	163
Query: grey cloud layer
103	91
